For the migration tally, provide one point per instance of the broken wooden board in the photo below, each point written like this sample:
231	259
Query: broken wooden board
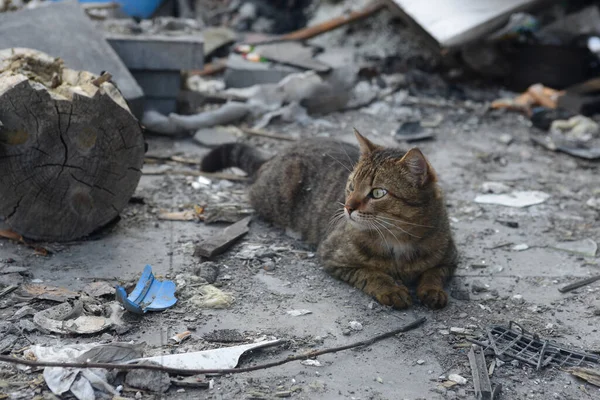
45	29
481	379
217	244
453	23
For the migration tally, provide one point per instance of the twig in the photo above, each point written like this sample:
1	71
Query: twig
579	284
99	6
105	77
182	160
328	26
213	175
260	132
182	371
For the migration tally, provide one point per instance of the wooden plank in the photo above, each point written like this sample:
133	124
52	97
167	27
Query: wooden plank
217	244
481	380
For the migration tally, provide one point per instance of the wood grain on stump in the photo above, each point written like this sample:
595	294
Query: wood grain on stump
71	153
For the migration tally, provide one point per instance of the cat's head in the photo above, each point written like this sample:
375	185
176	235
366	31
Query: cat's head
391	191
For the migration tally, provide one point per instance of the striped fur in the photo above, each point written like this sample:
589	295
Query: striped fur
402	238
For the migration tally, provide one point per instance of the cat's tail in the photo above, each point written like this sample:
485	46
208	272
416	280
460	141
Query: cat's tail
247	158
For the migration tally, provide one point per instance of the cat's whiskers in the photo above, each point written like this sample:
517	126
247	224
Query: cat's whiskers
339	162
372	225
395	226
405	222
386	228
352	164
335	219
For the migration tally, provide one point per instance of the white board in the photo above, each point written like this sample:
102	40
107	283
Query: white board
455	22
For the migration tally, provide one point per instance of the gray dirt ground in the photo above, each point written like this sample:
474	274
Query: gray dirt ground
466	153
269	272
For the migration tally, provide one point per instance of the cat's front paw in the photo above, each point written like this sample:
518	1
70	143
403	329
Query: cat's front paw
395	296
433	297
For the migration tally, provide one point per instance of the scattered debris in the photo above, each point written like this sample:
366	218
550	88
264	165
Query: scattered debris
46	292
494	187
99	289
149	294
311	363
458	379
518	344
66	319
180	337
590	375
82	382
481	379
576	128
585	247
517	199
196	381
223	358
579	284
224	336
355	326
520	247
182	364
210	296
412	131
11	235
218	243
298	313
153	381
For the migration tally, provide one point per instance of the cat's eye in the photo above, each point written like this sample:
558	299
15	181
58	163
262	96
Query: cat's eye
378	193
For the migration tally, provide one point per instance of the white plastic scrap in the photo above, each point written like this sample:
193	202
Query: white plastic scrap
297	313
518	199
458	379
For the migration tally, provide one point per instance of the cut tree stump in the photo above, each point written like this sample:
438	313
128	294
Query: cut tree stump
71	152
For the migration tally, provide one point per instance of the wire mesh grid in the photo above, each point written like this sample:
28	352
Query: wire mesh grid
529	348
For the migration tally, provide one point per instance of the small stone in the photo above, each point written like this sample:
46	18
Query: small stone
458	379
460	331
520	247
154	381
478	287
517	298
379	380
138	395
444	332
346	332
462	393
515	363
463	315
355	326
181	390
594	203
494	187
285	393
505	138
298	313
311	363
420	362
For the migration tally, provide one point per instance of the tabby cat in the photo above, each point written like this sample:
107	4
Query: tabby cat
376	214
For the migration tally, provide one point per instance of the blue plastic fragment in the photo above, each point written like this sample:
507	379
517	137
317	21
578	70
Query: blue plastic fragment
149	294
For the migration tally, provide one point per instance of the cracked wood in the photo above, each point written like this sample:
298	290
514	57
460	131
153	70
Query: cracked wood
71	153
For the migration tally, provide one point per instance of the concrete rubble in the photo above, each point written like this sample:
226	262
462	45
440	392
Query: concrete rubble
256	317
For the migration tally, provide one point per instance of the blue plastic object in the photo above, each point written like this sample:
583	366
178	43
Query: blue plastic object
149	294
133	8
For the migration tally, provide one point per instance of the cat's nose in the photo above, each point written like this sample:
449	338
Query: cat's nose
351	206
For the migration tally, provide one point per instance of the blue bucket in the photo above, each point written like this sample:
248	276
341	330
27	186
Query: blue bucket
133	8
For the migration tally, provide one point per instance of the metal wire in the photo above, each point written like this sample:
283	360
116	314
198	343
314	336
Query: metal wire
515	342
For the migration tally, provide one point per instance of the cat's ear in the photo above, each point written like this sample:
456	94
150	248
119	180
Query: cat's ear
418	167
366	146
